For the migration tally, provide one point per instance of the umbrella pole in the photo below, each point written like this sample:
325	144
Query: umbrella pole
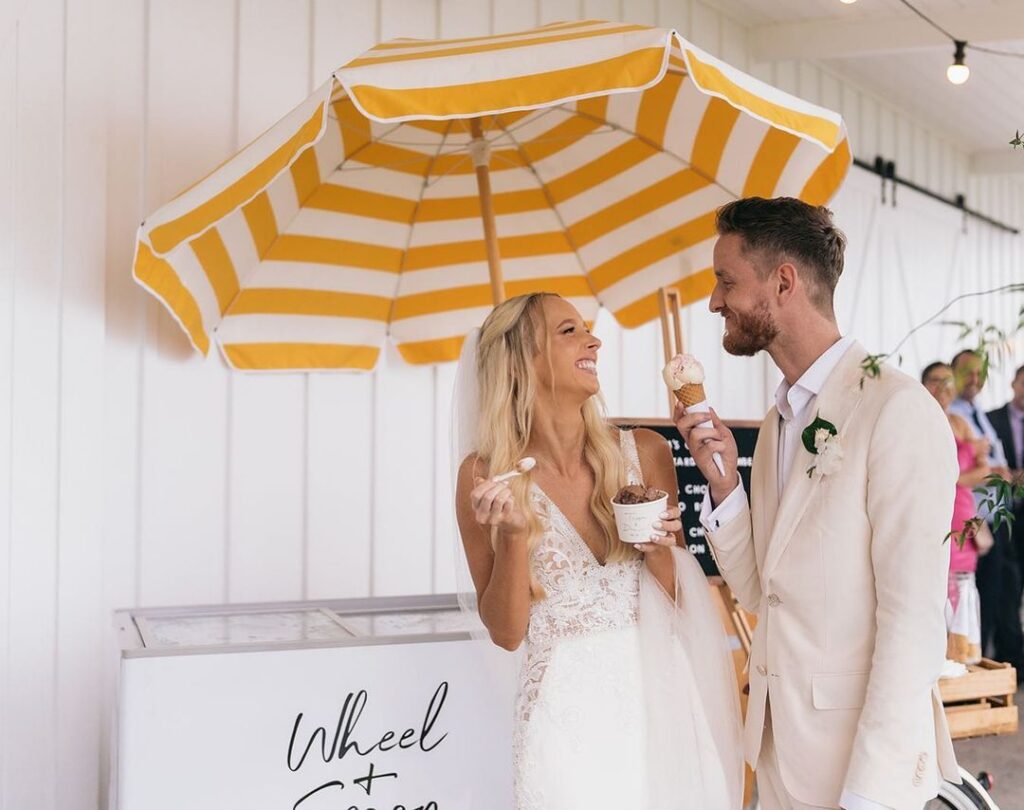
669	303
480	152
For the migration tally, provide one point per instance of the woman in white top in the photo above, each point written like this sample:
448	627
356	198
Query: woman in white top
627	693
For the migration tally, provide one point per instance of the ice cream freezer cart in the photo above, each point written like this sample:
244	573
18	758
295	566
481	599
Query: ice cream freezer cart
373	704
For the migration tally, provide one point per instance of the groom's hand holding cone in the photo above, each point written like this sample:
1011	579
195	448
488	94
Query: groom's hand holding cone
703	443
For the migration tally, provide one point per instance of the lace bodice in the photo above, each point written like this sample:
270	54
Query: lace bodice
584	599
583	596
597	653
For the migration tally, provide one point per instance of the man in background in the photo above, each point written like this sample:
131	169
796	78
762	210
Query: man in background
1008	422
999	571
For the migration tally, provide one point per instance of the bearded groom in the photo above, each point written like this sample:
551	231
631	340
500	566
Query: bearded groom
841	549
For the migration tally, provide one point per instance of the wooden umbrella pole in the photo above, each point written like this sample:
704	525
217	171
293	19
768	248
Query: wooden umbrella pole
669	303
480	155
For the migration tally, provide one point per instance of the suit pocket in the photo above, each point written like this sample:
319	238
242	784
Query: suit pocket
840	691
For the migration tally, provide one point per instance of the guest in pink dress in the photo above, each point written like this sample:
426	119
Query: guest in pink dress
972	455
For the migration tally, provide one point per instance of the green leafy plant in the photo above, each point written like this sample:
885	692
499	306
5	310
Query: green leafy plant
991	344
989	341
997	497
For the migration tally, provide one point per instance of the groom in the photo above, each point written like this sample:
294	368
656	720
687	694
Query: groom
841	553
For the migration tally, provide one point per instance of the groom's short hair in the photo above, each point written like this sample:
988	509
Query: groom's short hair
787	229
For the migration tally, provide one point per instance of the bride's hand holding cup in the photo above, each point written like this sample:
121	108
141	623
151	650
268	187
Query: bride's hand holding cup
664	531
494	505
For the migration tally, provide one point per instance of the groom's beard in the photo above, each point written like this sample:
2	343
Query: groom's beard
748	334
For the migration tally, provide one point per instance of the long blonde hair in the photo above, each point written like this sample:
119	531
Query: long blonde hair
510	340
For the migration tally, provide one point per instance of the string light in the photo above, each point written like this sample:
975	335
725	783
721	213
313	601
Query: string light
958	72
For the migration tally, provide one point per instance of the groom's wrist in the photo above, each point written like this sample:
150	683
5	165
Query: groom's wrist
720	491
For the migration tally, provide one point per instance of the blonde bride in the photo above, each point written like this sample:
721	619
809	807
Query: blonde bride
627	695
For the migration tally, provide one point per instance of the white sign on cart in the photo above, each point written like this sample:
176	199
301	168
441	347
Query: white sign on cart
364	721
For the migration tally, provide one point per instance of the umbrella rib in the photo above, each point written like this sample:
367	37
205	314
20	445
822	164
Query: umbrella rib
372	140
281	231
662	150
496	142
383	139
556	212
412	223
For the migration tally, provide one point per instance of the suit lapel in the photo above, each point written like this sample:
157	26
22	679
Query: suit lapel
836	403
1000	420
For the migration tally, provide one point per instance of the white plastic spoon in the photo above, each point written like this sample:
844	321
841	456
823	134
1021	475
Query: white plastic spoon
524	465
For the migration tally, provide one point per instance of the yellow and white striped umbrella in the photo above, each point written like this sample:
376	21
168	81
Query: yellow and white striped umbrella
608	146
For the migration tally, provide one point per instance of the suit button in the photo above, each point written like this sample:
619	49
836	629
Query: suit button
761	670
774	601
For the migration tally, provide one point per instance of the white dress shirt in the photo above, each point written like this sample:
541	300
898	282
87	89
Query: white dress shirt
795	404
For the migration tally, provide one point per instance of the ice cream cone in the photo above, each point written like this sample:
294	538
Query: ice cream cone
691	394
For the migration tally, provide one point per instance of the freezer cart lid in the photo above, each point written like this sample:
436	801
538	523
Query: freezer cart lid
210	629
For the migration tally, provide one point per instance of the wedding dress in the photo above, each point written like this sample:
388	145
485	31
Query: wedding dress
627	698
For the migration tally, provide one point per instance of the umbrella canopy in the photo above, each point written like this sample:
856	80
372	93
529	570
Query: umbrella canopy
603	150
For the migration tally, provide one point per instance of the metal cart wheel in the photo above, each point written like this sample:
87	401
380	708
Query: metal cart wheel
971	795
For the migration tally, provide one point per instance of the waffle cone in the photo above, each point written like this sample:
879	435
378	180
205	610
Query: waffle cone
691	394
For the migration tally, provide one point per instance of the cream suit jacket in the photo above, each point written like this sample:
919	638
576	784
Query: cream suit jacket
847	574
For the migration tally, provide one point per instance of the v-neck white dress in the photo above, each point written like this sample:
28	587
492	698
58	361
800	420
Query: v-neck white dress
583	712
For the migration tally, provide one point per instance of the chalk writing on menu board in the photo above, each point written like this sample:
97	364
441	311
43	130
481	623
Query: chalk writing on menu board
692	484
367	758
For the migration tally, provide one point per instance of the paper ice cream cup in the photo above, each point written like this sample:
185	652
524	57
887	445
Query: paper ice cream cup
635	521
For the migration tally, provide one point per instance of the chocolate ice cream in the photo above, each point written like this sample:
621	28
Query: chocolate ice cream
634	493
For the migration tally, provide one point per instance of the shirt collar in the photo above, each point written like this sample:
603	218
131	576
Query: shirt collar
1014	411
792	399
968	406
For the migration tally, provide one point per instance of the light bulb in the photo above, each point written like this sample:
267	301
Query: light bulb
848	2
958	74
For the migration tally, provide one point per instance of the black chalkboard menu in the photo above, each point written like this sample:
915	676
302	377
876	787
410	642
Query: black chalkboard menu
691	482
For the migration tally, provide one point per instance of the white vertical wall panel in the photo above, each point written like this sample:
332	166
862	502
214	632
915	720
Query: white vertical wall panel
8	261
124	321
640	11
463	18
677	14
267	417
134	473
339	499
600	10
340	422
341	31
32	584
516	16
403	551
457	19
190	129
80	626
705	27
124	303
732	44
559	10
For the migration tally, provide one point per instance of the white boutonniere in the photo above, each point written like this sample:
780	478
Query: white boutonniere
821	439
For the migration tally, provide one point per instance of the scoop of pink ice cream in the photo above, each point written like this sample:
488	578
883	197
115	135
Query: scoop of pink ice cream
683	369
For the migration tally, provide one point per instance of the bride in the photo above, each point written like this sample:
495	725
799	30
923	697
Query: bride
627	697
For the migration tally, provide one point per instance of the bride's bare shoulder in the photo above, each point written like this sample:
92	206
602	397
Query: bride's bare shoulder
472	466
647	439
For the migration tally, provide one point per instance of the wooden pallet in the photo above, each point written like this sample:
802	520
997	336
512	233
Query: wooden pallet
982	701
